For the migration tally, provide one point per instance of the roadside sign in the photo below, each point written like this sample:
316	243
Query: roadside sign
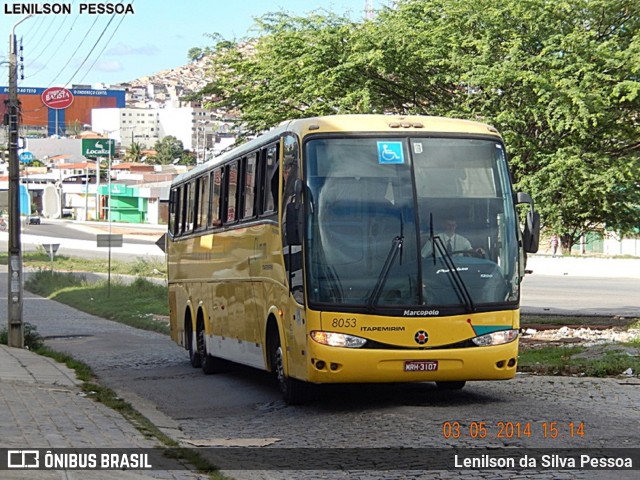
51	249
57	97
162	243
26	157
98	147
109	240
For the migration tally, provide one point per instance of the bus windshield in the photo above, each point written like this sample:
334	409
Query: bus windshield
409	222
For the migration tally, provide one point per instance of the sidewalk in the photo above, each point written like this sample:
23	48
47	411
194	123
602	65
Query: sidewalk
584	266
44	407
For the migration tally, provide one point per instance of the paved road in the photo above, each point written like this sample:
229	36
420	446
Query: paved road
576	295
582	286
80	239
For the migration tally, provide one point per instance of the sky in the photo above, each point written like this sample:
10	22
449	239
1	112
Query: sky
89	49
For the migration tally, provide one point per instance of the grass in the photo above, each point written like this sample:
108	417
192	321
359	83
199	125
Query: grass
595	361
140	304
40	260
609	361
527	320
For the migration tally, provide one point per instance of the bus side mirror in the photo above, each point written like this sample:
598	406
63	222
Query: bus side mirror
292	224
531	234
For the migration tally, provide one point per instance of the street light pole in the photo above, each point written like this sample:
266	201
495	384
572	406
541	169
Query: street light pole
202	127
197	144
15	336
109	213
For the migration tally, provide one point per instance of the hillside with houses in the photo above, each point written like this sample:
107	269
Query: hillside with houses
166	87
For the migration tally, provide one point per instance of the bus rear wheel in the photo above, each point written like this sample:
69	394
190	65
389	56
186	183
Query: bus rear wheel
451	385
194	355
294	392
209	363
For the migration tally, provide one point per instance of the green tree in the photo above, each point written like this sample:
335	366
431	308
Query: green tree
298	67
196	53
561	80
168	150
134	152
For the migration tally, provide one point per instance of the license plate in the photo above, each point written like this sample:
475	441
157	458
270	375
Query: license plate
420	365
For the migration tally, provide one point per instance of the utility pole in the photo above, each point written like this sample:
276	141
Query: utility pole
15	337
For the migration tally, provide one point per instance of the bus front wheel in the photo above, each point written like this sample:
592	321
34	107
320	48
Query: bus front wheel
294	392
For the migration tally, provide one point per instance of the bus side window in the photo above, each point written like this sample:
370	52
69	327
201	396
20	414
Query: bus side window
232	191
172	211
191	207
216	219
203	201
249	193
182	214
271	179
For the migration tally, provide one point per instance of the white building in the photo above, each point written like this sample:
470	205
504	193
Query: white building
198	129
128	125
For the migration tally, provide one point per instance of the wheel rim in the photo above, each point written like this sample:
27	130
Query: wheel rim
280	367
192	344
202	348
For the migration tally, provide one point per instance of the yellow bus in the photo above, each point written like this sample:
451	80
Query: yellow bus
352	248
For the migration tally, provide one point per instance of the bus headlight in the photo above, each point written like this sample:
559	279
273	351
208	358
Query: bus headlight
496	338
333	339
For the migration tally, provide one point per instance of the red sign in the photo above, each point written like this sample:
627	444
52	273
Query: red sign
57	97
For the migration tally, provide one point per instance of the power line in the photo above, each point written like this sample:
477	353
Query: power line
45	31
35	56
102	51
90	51
86	58
74	52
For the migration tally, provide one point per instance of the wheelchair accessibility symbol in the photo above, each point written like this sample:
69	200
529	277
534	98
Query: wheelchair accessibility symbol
390	152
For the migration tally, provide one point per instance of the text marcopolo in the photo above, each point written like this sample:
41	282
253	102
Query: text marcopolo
67	8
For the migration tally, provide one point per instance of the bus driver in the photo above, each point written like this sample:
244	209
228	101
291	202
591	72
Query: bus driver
454	243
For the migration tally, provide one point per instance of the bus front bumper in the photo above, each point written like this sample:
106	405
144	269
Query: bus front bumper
345	365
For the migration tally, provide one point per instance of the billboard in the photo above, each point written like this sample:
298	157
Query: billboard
36	113
98	147
57	97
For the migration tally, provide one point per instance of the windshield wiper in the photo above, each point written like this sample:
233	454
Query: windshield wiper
396	246
457	278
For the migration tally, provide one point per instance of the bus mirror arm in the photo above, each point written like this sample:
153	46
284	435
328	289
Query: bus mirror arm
531	234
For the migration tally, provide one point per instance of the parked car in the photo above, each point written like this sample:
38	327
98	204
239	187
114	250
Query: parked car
32	220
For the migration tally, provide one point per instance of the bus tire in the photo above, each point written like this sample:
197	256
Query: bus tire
451	385
194	355
209	363
294	391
